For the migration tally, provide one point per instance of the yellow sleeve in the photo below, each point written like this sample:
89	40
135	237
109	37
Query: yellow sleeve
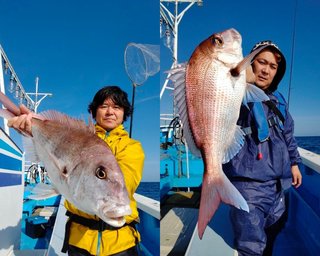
130	158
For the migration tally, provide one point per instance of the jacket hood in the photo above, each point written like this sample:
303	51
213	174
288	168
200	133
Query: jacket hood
281	65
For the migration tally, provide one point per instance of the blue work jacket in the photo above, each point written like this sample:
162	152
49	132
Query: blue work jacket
272	158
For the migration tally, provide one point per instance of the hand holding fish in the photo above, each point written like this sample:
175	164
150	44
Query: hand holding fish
250	77
22	123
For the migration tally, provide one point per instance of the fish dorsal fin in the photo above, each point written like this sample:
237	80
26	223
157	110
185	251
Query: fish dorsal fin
66	120
236	144
178	77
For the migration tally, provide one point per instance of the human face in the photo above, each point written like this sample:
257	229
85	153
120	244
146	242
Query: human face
109	115
265	68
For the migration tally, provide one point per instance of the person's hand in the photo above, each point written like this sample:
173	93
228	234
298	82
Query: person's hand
22	123
250	77
296	176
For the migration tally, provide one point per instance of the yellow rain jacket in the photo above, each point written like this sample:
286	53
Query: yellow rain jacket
130	157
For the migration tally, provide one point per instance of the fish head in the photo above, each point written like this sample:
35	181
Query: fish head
97	186
225	46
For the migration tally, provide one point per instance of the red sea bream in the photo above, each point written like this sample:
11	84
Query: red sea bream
209	90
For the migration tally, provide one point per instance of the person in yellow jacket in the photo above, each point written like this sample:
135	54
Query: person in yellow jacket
110	108
86	234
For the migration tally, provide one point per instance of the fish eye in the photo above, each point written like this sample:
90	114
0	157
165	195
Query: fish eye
101	172
217	41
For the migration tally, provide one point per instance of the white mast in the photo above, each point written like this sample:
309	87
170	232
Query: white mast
37	101
16	87
171	20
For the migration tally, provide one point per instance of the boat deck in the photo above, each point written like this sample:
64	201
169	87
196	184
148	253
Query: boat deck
176	210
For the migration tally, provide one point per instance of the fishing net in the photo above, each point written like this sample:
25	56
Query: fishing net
141	61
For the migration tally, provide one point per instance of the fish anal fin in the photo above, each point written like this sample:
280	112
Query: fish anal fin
217	188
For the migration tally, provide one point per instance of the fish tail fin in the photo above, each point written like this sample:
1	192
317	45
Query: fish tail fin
213	192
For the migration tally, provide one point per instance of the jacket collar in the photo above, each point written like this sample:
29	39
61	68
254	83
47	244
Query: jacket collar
118	131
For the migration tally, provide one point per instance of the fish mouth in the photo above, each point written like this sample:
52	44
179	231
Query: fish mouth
115	222
116	216
232	40
235	34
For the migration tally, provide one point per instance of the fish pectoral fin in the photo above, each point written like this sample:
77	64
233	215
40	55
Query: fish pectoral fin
242	65
253	94
236	144
43	191
215	189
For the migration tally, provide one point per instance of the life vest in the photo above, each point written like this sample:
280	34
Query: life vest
262	123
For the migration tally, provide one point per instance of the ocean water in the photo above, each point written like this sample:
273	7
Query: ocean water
149	189
311	143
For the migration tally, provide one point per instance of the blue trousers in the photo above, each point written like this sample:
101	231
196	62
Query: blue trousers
266	205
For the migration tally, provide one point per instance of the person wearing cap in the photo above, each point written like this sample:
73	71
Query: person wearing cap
268	162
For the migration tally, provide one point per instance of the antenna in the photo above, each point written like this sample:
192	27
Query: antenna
170	21
292	50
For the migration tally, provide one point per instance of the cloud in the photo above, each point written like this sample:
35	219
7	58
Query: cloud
147	99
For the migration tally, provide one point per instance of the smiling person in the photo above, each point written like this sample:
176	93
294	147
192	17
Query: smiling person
87	234
268	162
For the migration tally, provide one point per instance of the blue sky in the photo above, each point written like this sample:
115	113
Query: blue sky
257	21
76	47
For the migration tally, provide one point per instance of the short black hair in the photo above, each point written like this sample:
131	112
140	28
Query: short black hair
118	96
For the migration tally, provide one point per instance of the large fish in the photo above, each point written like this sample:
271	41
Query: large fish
209	90
80	165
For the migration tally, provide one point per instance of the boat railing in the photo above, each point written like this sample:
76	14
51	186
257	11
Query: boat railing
165	119
310	159
148	205
149	226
